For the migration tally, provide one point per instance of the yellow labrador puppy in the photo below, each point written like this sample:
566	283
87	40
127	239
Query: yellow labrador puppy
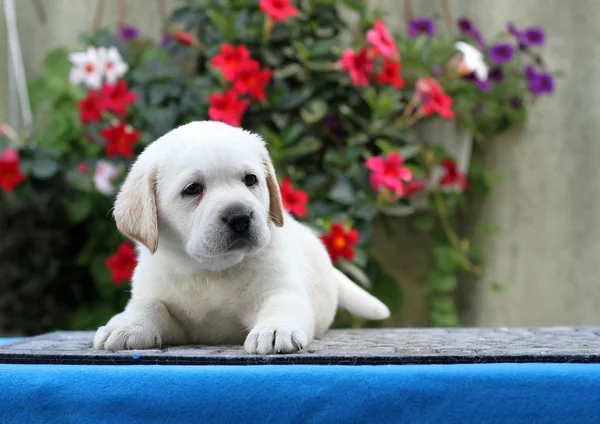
220	262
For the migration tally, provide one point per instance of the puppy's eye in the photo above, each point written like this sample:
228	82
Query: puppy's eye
193	189
250	180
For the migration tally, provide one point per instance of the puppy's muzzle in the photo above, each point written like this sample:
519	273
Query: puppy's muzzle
238	220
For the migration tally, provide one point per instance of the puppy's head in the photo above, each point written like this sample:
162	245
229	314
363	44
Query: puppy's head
206	190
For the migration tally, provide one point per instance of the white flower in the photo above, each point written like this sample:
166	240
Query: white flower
88	67
104	176
114	66
473	60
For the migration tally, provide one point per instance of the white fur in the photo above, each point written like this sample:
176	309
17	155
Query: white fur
274	296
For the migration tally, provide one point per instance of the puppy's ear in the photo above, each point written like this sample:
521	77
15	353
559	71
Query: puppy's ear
275	204
135	209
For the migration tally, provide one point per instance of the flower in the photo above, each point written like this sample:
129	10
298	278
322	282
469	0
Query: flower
10	172
184	38
496	74
518	34
129	32
515	102
534	36
227	107
294	201
420	26
539	83
390	74
472	60
104	175
501	53
122	263
382	41
452	176
230	59
467	29
358	65
83	168
114	66
413	187
278	10
252	79
88	67
91	107
388	172
166	40
339	243
120	139
434	99
117	97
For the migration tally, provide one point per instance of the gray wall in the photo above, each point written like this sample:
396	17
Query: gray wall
548	254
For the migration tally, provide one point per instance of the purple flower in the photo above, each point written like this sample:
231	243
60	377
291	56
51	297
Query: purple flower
513	30
465	26
534	36
541	83
501	53
332	123
530	72
467	29
421	26
129	32
496	74
483	86
166	40
437	70
516	103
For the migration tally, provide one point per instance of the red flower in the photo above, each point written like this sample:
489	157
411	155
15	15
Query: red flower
434	99
382	41
252	80
294	201
358	65
453	177
10	173
120	139
278	10
83	168
91	108
118	97
414	187
390	74
340	243
184	38
122	263
227	107
388	172
230	59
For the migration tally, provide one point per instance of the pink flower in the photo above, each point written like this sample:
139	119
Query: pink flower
380	38
388	173
453	177
358	65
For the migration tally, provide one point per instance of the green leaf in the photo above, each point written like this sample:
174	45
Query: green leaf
497	287
307	145
79	209
314	111
424	223
355	273
291	99
447	258
398	210
44	167
291	134
343	192
442	282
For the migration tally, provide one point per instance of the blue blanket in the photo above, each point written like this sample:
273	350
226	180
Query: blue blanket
480	393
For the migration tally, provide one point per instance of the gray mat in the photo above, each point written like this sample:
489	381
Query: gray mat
339	347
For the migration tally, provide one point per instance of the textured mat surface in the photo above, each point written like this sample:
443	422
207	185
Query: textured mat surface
339	347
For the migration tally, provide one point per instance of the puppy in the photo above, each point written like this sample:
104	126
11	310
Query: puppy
220	262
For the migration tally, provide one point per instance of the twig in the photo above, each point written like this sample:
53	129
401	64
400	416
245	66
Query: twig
408	13
98	13
122	13
446	10
162	12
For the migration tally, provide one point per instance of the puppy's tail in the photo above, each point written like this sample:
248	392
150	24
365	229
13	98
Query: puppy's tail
357	301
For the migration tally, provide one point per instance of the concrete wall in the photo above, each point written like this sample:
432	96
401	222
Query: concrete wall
548	254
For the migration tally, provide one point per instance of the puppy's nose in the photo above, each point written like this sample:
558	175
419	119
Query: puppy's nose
237	219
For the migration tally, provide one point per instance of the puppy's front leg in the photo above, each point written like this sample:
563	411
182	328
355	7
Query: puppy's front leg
145	324
283	324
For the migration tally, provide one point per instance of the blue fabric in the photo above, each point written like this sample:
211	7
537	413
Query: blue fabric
478	393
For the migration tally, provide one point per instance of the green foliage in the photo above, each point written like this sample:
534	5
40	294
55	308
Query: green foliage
319	126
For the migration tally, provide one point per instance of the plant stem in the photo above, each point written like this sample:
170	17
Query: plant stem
447	11
162	11
122	12
408	13
98	13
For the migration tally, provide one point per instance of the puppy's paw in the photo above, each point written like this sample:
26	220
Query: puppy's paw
275	339
126	337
